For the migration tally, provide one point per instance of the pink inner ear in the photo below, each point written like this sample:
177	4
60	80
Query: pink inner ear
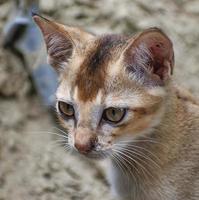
160	49
160	54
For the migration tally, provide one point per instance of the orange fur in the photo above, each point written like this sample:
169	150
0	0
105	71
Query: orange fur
154	148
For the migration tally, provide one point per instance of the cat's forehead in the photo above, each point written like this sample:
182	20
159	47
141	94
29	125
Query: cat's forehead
93	71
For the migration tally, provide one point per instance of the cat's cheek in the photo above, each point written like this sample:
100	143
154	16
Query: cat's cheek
67	124
107	130
147	123
105	142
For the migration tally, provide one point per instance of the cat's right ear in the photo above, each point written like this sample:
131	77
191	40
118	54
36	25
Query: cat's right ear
61	41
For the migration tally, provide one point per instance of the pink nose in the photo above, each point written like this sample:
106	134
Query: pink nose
84	142
84	148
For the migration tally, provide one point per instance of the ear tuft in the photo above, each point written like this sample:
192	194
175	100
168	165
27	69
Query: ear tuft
151	50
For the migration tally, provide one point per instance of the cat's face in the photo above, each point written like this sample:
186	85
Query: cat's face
112	87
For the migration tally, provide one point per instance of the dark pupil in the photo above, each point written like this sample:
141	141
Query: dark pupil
68	107
113	112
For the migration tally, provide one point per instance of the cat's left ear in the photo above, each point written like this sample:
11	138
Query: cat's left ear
151	51
61	41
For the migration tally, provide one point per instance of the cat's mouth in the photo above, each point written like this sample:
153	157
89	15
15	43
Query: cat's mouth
94	155
98	155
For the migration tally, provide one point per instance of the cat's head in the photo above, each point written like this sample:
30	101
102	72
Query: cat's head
111	86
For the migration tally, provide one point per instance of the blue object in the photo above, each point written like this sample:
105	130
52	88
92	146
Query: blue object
46	82
23	38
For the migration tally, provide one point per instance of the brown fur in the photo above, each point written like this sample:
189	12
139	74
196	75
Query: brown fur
156	145
92	72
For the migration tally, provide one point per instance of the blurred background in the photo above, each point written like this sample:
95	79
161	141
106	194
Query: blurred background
32	165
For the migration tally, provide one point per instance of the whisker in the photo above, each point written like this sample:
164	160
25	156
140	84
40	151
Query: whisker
136	156
51	133
118	163
133	144
123	164
125	156
138	153
125	159
144	149
143	140
61	142
62	131
67	147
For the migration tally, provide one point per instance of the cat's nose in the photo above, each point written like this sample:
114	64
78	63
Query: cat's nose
84	148
84	143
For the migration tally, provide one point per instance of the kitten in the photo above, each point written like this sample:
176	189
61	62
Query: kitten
117	100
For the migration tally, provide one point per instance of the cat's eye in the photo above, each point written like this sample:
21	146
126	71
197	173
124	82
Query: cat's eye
114	115
66	109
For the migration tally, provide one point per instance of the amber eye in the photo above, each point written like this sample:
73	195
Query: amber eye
114	115
66	109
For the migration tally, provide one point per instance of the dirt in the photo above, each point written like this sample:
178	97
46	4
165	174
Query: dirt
32	165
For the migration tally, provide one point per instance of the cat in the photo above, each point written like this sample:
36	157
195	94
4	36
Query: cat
117	100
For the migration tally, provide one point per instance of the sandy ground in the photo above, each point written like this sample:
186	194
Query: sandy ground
32	165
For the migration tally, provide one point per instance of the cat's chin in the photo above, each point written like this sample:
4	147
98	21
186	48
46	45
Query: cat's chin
95	156
91	155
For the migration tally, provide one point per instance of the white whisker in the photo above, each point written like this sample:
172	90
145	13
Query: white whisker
125	156
138	153
143	140
47	132
62	131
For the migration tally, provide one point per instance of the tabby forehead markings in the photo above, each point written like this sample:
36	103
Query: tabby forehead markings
93	70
